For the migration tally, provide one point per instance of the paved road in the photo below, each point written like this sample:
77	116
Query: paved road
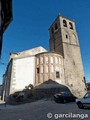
44	110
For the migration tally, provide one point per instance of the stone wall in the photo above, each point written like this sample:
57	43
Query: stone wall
47	66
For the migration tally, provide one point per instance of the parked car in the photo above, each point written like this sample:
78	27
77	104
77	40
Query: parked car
64	97
84	102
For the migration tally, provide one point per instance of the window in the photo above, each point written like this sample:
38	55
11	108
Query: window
38	70
71	26
87	95
71	85
64	23
57	74
66	36
56	26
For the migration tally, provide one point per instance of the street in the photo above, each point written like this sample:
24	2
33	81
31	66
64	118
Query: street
43	110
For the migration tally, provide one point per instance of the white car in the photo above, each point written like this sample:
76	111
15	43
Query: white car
84	102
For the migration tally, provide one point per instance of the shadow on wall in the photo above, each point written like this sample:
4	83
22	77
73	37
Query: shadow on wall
45	90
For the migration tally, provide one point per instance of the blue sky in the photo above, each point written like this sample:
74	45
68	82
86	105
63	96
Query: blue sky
31	20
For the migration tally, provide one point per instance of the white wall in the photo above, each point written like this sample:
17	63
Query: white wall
24	70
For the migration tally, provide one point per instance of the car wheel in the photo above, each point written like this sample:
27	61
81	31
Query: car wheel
80	105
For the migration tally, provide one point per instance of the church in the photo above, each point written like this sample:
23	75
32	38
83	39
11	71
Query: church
62	64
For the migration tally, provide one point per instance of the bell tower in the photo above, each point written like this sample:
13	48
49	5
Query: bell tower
64	40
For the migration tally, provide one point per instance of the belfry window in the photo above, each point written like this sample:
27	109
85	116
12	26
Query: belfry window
56	26
64	23
71	26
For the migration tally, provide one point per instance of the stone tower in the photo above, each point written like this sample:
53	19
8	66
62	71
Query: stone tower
64	40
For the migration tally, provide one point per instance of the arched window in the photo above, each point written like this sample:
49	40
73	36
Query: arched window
56	26
71	26
64	23
66	36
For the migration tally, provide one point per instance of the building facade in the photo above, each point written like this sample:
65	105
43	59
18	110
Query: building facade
63	64
20	71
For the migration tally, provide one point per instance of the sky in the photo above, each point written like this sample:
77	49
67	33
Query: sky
31	20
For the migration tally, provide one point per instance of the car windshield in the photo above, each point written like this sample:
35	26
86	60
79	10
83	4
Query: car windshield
88	95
